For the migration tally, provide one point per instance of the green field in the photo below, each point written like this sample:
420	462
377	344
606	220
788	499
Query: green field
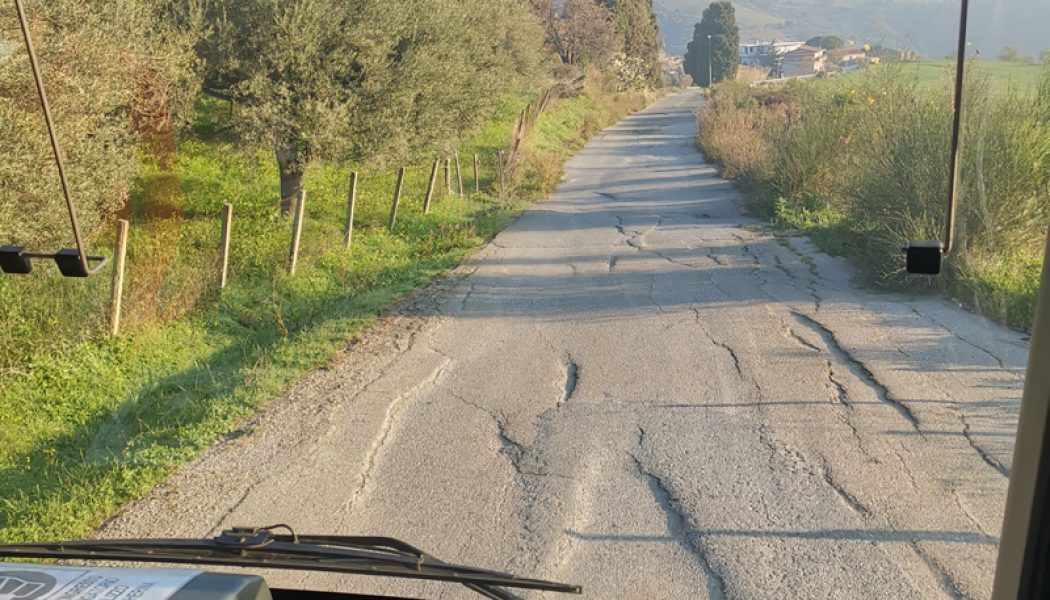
1001	75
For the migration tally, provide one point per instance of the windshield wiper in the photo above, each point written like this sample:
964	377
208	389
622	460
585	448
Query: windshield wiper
259	547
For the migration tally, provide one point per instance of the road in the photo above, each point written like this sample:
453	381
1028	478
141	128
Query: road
640	390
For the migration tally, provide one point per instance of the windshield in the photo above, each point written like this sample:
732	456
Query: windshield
609	293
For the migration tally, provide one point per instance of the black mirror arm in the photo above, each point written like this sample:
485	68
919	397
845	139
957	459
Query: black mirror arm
925	257
953	181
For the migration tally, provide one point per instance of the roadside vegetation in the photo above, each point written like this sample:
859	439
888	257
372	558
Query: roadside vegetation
860	163
219	112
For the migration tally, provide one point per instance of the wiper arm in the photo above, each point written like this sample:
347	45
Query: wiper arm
261	548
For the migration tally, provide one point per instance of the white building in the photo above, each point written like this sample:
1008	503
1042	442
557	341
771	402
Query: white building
804	61
758	53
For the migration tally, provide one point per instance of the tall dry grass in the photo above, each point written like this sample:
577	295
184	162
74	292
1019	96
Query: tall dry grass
862	163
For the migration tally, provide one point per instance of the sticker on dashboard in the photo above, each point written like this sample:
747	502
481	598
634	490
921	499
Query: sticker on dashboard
47	582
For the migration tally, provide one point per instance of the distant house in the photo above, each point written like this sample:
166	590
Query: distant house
845	59
805	61
844	56
886	54
758	53
908	56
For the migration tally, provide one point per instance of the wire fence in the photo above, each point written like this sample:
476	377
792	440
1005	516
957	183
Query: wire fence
138	297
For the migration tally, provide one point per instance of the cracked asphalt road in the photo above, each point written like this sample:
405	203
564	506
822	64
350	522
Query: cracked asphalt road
637	389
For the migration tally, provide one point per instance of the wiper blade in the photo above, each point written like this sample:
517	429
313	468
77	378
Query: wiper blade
259	547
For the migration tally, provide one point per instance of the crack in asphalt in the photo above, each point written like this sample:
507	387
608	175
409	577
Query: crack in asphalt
779	450
967	433
466	297
724	346
514	451
784	453
652	295
636	241
847	419
943	577
858	368
999	361
755	261
678	524
839	389
793	336
509	447
783	268
985	455
851	501
904	467
966	511
718	259
805	259
389	419
414	330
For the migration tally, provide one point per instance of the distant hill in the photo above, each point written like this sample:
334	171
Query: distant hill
929	26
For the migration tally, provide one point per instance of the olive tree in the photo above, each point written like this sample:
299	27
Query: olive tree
375	79
441	73
109	67
291	67
579	31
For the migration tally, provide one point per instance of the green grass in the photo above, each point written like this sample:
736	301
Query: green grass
92	423
941	73
565	124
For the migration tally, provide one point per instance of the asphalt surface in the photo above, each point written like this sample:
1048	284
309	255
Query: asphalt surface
637	389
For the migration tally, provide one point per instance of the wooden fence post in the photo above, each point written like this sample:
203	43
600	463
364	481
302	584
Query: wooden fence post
430	186
297	231
224	244
477	177
293	202
120	252
348	227
448	177
459	174
397	197
500	166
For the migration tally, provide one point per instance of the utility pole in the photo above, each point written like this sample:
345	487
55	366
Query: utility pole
710	72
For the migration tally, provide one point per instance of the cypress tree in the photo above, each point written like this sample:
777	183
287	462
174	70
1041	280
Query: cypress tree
719	22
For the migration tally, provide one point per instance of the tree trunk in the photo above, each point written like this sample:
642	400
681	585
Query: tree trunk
291	171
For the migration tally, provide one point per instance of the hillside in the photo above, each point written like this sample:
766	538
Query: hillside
928	26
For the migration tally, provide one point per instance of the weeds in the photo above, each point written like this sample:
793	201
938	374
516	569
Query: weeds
861	164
